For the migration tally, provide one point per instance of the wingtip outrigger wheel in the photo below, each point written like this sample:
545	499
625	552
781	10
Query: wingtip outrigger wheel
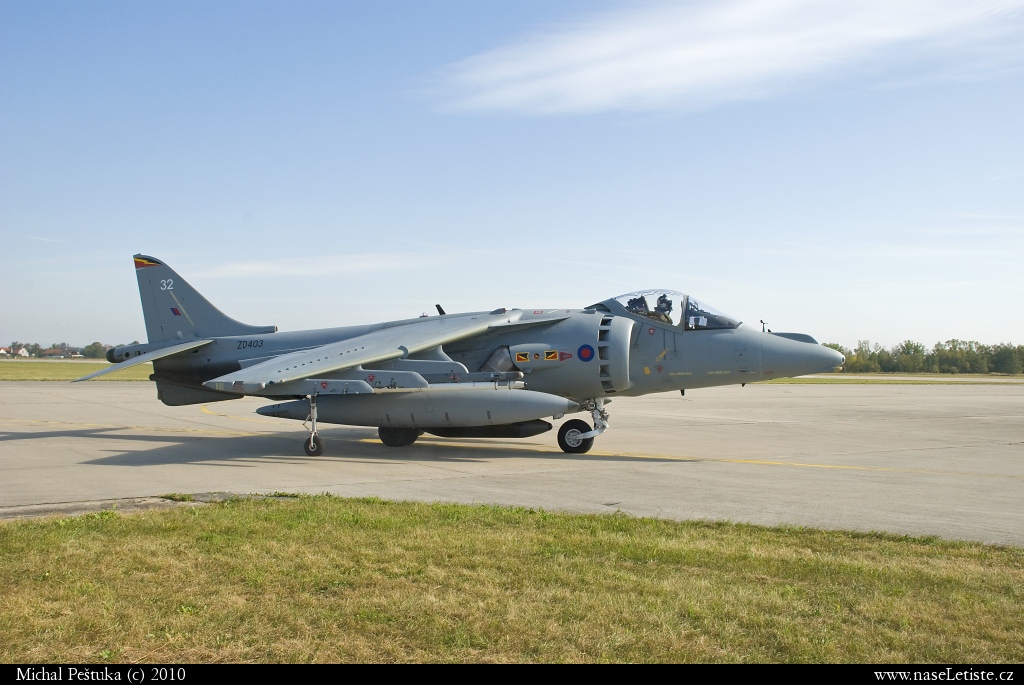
315	445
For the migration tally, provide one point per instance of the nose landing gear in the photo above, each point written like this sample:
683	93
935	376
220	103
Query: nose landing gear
570	437
315	445
576	436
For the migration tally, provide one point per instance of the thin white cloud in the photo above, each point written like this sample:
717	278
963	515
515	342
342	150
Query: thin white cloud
44	240
972	231
1006	173
321	265
991	217
668	56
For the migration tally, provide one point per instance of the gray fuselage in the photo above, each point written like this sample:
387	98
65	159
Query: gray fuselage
601	351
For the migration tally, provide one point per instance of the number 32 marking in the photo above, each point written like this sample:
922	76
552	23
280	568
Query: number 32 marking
167	284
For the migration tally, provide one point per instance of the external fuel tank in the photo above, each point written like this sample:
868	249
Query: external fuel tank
435	407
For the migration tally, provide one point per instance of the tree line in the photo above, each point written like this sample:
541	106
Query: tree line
952	356
96	350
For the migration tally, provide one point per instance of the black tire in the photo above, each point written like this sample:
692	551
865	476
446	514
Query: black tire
568	437
316	448
398	437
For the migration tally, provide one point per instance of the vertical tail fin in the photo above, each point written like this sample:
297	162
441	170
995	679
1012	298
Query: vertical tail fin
174	310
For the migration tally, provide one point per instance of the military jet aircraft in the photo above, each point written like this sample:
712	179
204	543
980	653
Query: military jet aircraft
493	374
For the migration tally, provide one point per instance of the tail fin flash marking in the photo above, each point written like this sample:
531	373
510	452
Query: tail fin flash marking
179	310
143	262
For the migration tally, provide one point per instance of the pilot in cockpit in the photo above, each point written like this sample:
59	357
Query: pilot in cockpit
663	310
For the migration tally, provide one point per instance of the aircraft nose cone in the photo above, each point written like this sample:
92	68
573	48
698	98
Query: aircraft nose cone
782	357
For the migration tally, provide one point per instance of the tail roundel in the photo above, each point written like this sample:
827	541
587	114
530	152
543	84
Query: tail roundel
174	310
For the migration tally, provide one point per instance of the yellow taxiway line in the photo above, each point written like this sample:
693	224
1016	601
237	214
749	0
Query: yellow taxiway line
666	457
206	410
525	449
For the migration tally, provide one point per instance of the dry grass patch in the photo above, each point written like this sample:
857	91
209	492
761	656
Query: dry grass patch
328	579
68	371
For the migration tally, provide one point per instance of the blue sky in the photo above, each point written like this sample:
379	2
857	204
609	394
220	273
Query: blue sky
847	169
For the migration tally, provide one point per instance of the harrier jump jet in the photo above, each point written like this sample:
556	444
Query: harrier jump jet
495	374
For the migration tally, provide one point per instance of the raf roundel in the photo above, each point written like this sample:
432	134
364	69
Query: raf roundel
585	353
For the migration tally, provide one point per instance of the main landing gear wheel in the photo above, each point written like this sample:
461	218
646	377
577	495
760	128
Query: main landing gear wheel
398	437
314	446
569	437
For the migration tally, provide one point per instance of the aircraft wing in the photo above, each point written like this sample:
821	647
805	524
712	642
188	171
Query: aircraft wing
373	348
147	357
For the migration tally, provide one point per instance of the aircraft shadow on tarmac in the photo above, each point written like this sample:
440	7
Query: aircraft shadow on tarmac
343	445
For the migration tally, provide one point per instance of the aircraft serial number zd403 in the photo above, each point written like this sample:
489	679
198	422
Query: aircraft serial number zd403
491	374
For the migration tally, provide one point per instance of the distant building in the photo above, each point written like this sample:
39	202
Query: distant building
21	352
53	353
5	352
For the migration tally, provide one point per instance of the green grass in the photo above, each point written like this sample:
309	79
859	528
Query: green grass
328	579
68	371
179	497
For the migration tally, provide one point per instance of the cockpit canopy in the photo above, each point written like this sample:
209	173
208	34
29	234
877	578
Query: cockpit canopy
666	306
675	309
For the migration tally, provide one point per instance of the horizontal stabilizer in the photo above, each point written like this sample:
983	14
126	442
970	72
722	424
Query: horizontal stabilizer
148	357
